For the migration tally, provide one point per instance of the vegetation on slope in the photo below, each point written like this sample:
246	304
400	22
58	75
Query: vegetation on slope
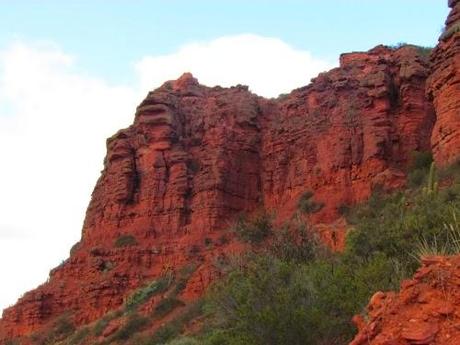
296	292
293	290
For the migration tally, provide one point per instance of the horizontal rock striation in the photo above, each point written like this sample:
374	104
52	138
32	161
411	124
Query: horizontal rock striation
196	157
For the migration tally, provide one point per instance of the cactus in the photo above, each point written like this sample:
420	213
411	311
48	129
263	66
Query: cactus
431	188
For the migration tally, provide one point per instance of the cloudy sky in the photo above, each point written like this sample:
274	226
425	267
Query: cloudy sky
71	74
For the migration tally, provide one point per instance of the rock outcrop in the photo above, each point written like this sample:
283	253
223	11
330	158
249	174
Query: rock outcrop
424	312
444	90
195	157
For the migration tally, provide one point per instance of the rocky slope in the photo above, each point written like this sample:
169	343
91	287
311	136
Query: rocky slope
196	157
425	311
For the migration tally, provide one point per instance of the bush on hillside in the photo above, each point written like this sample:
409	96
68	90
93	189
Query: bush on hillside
143	294
253	229
307	205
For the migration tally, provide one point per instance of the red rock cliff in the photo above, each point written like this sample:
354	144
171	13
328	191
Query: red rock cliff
197	156
444	89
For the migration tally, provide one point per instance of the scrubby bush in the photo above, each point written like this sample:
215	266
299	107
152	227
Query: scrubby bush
296	243
297	293
165	306
306	203
172	329
79	336
61	329
418	168
184	275
145	293
184	341
275	302
163	334
102	323
100	326
134	324
254	229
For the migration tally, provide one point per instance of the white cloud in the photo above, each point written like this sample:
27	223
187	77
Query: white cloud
54	122
53	125
268	65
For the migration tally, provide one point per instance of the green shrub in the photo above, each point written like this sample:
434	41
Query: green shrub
253	230
61	329
143	294
184	275
450	246
165	306
172	329
419	167
306	203
416	178
184	341
295	243
134	324
275	302
125	241
164	334
63	326
297	293
421	160
102	323
79	336
100	326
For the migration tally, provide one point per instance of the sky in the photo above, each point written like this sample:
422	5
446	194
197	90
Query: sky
72	73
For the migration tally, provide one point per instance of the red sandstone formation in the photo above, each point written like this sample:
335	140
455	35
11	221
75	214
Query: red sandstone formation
444	89
195	157
424	312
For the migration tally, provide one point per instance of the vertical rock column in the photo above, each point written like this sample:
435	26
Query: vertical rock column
443	88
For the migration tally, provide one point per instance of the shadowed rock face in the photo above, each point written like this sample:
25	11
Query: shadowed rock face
444	89
195	157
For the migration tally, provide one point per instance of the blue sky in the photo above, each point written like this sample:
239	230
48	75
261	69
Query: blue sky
109	35
72	73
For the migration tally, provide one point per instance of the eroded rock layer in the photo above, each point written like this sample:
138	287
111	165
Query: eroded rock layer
195	157
444	89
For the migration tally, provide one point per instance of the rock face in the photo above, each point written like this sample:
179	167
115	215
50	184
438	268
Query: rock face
444	89
195	157
424	312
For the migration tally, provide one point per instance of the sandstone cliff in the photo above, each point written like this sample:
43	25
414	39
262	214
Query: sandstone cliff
444	89
195	157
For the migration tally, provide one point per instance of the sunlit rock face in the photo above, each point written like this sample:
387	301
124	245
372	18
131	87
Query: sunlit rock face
196	157
444	89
